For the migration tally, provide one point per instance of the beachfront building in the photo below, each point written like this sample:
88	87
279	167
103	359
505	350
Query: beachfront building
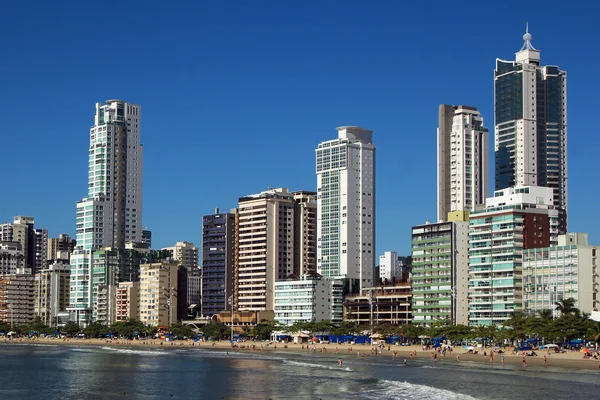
462	160
159	293
219	243
111	213
346	208
127	301
531	126
567	270
380	305
514	220
17	302
440	271
309	299
51	290
305	232
267	246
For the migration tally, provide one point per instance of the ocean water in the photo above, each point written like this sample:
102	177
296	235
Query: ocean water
68	372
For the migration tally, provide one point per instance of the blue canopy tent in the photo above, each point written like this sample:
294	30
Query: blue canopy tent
438	340
394	340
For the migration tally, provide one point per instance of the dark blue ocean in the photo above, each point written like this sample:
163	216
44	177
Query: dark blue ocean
68	372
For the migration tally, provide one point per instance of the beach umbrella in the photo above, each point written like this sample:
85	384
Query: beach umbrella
585	350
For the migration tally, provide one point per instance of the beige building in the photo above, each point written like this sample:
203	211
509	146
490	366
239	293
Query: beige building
60	247
380	305
51	292
158	293
128	301
17	299
12	259
186	254
269	243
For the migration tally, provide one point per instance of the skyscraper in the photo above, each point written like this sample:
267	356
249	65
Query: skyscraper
463	170
531	125
346	208
111	214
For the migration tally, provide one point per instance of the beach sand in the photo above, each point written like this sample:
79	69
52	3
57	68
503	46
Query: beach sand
571	359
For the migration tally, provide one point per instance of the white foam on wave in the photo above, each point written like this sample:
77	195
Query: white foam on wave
133	351
404	390
304	364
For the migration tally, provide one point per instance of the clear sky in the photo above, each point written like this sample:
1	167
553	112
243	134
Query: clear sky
236	95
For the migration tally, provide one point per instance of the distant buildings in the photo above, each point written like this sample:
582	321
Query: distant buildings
33	242
218	261
128	301
51	292
59	248
514	220
463	171
393	268
530	103
17	303
440	272
12	259
346	208
186	254
567	270
310	299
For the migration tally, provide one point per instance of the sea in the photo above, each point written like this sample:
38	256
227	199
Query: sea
93	372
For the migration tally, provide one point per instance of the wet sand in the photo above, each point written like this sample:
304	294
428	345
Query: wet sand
571	359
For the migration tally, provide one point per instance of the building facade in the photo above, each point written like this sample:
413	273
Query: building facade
12	259
462	159
34	241
305	232
17	302
59	248
111	213
267	249
568	270
128	301
392	268
159	293
514	220
440	273
186	254
380	305
531	125
51	292
310	299
346	208
218	261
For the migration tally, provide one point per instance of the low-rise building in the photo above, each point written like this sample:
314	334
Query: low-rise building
128	301
568	270
381	305
17	302
310	299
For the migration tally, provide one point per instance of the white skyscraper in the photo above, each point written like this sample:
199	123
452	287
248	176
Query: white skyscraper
463	170
346	208
111	214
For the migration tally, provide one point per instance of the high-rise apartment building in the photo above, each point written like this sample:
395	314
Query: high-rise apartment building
463	170
186	254
128	301
52	288
62	246
440	272
567	270
218	261
111	214
305	231
531	125
17	303
159	293
12	260
267	246
34	242
514	220
346	208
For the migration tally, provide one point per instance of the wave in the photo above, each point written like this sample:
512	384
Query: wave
133	351
405	390
305	364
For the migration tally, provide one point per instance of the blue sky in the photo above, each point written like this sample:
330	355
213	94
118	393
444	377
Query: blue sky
235	97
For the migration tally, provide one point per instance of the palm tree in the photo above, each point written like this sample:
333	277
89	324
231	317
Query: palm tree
567	306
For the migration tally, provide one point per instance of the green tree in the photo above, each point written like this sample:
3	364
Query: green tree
216	331
71	328
264	329
567	306
95	330
181	331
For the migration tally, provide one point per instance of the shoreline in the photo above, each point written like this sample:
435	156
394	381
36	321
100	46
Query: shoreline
571	360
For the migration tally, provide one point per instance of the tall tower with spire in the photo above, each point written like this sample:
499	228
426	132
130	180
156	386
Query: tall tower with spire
530	107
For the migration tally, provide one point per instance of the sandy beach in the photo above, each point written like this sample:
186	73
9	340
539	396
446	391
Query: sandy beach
571	359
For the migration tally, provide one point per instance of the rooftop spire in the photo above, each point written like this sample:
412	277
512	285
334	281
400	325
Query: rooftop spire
527	38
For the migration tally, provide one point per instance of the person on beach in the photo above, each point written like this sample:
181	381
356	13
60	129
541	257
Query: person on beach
524	362
458	357
405	361
491	358
340	362
545	361
502	359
